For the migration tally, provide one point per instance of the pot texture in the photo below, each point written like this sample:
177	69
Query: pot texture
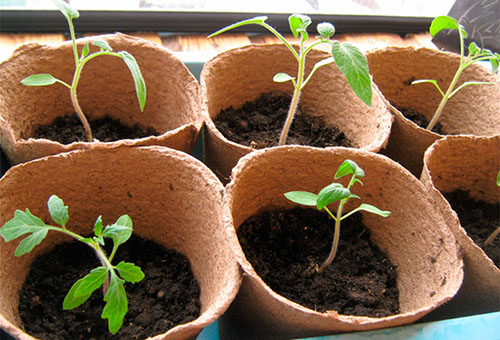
471	164
415	237
474	110
240	75
172	199
106	88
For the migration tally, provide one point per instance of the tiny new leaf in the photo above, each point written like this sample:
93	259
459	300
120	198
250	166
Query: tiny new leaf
120	231
84	287
140	84
68	11
102	44
325	29
256	20
41	79
349	167
116	304
302	197
58	211
85	50
282	77
298	24
130	272
354	65
331	193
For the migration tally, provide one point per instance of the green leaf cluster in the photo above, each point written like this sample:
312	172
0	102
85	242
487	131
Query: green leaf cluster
475	54
334	192
111	277
350	60
44	79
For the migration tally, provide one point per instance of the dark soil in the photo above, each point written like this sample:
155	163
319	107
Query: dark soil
166	297
420	120
479	219
284	248
259	123
68	129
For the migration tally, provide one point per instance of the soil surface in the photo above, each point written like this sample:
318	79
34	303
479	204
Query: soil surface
259	123
479	219
420	120
68	129
285	246
166	297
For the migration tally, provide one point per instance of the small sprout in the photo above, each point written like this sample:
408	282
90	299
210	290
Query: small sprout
47	79
332	193
475	54
350	60
111	277
494	234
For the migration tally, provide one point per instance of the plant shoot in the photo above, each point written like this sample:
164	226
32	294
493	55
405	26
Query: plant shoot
332	193
474	55
110	277
44	79
350	60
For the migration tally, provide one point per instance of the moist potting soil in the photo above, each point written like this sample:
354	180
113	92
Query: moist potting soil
259	123
285	247
479	219
68	129
420	120
167	296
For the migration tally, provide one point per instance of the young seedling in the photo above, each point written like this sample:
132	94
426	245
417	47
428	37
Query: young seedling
350	60
111	277
495	233
44	79
474	55
332	193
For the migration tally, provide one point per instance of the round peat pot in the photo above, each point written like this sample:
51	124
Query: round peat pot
415	238
474	110
234	77
172	198
469	164
106	88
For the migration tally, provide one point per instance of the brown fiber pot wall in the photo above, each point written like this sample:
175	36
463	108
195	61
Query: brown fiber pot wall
172	199
415	237
240	75
467	163
474	110
106	87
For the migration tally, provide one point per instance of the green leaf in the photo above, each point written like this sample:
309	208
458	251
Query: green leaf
98	226
22	223
256	20
443	22
349	167
430	81
302	197
116	304
84	287
130	272
331	193
494	61
58	211
498	179
68	11
41	79
282	77
298	24
120	231
473	48
140	84
369	208
354	65
102	44
85	50
325	29
30	242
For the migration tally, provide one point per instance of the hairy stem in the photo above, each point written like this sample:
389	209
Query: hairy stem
492	237
336	236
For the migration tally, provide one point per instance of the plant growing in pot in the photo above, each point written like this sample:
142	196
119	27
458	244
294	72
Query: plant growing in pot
330	86
105	85
432	85
264	309
460	173
174	236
